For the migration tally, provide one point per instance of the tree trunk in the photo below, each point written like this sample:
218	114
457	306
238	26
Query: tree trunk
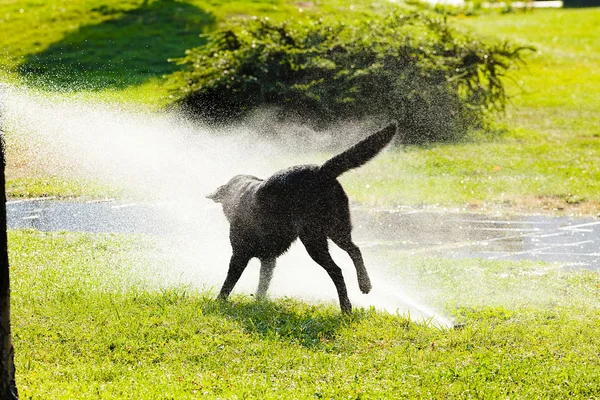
8	387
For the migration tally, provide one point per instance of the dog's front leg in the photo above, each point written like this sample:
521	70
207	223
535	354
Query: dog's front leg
237	265
266	274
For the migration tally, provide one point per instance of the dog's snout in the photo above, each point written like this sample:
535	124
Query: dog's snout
212	196
217	195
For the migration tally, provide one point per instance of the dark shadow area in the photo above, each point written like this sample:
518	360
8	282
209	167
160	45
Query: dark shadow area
308	326
126	50
580	3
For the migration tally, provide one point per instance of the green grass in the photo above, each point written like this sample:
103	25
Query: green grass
49	186
116	50
517	174
91	318
99	54
91	321
547	159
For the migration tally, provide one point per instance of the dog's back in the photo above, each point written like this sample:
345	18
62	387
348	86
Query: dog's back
296	192
307	194
267	216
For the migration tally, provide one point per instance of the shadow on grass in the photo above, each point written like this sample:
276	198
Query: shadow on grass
285	319
126	49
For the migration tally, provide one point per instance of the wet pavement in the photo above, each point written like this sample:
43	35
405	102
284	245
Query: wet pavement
89	216
573	242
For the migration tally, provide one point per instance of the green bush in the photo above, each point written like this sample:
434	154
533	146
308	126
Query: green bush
409	66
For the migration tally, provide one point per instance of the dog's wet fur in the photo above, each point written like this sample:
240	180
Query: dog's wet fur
304	201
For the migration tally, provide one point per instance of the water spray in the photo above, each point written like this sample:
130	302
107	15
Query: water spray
170	163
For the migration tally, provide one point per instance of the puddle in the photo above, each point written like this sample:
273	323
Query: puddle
91	216
573	242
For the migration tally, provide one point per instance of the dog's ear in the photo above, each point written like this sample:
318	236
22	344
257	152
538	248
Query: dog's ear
218	195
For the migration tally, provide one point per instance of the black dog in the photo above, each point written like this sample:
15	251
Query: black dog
304	201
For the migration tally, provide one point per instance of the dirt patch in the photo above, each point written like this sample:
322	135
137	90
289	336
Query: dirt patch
574	206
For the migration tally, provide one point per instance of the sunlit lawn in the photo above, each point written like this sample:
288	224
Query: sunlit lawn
547	159
92	320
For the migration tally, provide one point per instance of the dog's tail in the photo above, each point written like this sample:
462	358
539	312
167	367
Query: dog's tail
360	153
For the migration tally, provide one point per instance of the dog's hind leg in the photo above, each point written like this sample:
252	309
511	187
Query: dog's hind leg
345	243
316	246
266	274
237	265
338	227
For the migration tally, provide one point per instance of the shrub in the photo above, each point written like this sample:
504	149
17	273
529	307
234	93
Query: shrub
409	66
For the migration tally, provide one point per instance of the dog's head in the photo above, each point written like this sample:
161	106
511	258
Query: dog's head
229	192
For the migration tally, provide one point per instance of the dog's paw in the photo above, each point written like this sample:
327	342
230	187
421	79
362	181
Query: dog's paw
365	285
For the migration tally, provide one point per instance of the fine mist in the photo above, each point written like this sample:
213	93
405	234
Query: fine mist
165	160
